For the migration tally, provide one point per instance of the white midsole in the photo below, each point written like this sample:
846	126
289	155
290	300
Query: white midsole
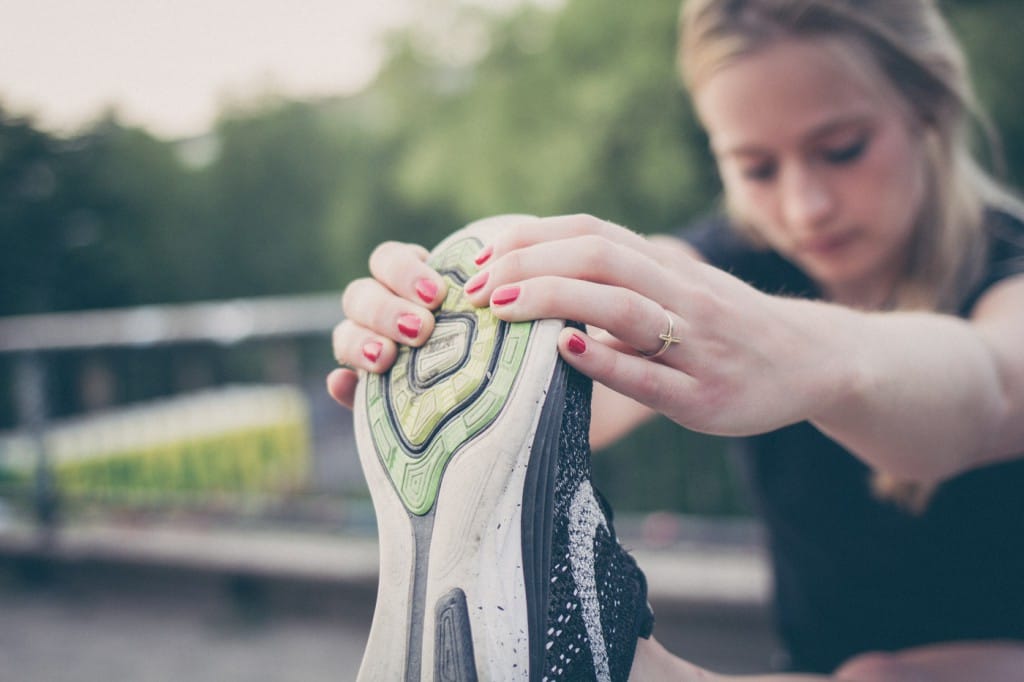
476	544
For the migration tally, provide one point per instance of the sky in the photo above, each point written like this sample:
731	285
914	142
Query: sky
168	65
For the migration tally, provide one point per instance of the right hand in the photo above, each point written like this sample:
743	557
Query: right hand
391	307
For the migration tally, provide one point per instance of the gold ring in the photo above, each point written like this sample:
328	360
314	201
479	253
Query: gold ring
667	338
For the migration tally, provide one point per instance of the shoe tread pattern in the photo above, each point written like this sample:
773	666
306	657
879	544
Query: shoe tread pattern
438	397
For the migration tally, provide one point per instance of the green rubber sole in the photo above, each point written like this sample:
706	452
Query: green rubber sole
437	398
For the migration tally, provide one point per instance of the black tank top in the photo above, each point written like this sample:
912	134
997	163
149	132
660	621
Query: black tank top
853	573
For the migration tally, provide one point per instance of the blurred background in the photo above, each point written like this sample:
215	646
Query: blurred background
186	187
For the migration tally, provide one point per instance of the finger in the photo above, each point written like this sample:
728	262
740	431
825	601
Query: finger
606	339
665	249
591	257
665	389
539	230
371	305
402	268
360	348
630	317
341	385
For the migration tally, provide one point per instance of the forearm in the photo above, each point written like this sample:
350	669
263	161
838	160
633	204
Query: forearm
918	395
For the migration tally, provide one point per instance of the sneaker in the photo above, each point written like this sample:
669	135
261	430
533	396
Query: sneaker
498	559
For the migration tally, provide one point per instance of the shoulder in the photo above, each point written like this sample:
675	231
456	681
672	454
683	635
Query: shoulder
1005	258
1006	242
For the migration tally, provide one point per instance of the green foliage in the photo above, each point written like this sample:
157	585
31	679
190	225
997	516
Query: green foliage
578	111
990	31
85	221
28	218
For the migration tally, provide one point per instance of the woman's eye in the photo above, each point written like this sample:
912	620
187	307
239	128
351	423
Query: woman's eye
846	153
759	172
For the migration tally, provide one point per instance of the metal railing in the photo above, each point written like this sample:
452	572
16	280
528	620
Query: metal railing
32	343
221	322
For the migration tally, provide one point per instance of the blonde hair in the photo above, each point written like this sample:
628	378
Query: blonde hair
909	45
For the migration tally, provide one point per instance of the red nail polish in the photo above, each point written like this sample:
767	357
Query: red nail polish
577	345
477	282
504	295
409	325
484	255
427	290
372	349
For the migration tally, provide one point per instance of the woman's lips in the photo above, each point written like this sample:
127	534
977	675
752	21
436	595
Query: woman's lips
828	245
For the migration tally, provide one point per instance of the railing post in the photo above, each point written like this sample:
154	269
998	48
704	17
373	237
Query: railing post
33	414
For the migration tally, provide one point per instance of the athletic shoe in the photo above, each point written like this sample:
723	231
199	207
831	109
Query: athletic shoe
498	559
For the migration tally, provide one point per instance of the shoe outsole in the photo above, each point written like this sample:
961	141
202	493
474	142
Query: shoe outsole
459	443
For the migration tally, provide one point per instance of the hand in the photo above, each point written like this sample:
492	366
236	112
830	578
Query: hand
391	307
746	362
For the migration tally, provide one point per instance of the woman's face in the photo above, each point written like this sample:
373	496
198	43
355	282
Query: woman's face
820	162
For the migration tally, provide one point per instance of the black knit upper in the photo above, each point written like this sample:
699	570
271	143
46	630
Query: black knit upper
621	589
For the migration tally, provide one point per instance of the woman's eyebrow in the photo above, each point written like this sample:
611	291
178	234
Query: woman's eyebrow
838	125
741	149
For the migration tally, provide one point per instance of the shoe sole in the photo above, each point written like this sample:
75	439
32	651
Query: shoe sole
458	443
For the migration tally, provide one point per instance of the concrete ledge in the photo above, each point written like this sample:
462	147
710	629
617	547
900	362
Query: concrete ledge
687	572
259	554
709	598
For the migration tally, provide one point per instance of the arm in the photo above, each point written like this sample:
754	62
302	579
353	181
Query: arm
917	395
926	396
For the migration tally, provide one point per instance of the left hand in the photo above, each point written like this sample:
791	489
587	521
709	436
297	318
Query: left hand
746	362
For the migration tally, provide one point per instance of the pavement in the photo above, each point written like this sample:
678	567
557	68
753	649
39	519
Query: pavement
154	602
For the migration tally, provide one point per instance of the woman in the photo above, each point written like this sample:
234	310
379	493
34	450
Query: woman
856	316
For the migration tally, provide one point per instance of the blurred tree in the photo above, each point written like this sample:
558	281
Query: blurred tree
84	219
127	202
30	221
571	111
989	30
268	195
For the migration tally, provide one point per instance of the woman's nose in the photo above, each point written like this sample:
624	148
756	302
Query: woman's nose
808	201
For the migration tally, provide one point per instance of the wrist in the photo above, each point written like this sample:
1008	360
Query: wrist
835	372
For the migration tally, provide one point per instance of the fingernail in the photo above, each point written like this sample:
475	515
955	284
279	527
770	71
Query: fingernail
577	345
484	255
477	282
427	290
409	325
372	349
504	295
